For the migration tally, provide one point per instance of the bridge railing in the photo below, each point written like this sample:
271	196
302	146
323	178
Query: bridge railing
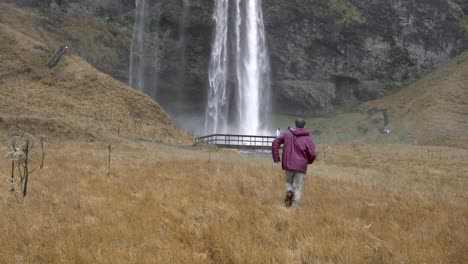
236	141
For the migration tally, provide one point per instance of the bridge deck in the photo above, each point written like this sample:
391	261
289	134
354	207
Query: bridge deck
236	141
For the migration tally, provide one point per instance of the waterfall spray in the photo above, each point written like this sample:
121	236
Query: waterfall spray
137	66
217	109
180	99
144	51
252	70
152	90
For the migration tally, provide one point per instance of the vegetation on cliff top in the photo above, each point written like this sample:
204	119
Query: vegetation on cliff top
73	100
462	19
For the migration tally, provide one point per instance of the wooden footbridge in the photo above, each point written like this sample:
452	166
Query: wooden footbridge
235	141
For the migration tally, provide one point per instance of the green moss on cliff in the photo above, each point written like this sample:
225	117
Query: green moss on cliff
346	12
340	12
100	43
463	26
455	9
462	20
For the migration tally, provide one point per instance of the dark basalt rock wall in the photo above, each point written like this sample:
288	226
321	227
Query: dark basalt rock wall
344	52
324	53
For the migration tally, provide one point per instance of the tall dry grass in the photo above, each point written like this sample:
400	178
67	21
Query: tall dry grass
163	204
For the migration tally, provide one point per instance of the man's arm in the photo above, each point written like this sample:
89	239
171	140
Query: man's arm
311	154
276	146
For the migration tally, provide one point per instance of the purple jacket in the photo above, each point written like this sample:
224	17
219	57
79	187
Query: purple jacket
298	149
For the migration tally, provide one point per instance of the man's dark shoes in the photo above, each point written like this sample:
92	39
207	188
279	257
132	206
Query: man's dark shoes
288	199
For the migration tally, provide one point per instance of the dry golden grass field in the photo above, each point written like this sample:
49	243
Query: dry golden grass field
166	204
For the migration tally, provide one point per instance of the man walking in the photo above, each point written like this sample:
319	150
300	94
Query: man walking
298	152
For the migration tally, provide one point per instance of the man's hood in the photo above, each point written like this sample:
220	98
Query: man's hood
299	132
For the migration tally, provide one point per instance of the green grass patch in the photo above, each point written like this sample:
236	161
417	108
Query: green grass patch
6	44
462	20
343	125
335	126
346	12
455	9
463	25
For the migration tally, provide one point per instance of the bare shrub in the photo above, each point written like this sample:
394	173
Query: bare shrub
22	156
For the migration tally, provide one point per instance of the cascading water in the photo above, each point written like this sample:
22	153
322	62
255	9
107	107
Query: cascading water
252	68
143	51
251	74
180	98
216	118
137	62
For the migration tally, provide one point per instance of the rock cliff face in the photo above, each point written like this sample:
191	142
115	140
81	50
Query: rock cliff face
324	53
327	53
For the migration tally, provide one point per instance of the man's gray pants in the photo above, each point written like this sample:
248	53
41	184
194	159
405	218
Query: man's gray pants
295	182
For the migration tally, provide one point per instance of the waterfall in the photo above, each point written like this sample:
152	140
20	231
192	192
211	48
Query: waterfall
251	74
144	50
137	65
217	105
252	65
238	57
180	98
152	90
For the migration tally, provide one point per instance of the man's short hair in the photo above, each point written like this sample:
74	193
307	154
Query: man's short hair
300	123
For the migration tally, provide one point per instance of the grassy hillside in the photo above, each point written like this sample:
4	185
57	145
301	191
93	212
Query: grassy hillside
73	100
102	43
434	109
161	204
430	111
